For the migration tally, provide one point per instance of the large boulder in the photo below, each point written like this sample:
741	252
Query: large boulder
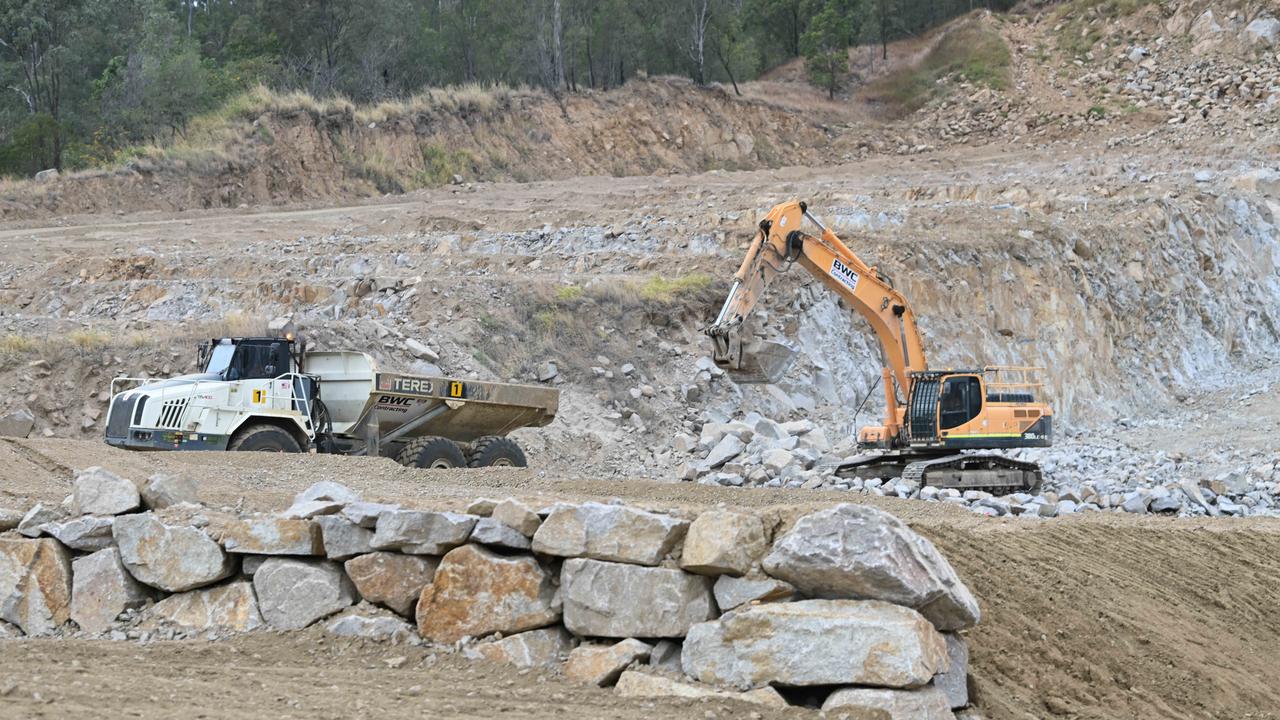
33	522
600	665
613	600
608	532
391	579
342	538
856	551
232	606
535	648
422	533
634	683
101	589
721	542
35	584
371	623
732	592
954	682
9	519
518	515
269	535
1264	31
327	490
366	514
477	592
171	558
927	703
97	491
498	534
816	642
162	491
18	423
88	533
292	594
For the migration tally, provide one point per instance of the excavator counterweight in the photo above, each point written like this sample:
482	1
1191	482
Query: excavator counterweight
934	420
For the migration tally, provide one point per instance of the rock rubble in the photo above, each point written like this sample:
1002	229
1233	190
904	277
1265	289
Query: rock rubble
844	600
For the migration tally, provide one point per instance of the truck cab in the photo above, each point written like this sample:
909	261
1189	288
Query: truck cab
250	394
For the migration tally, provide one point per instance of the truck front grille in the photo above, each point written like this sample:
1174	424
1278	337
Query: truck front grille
121	413
171	413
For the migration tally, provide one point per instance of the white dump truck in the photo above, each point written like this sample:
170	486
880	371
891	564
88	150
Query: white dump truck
273	394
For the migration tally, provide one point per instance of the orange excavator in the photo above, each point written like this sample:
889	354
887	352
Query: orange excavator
936	433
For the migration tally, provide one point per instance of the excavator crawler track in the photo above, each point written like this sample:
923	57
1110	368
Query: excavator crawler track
983	471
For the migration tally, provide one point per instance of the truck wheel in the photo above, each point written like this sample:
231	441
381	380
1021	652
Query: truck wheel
264	438
433	453
493	451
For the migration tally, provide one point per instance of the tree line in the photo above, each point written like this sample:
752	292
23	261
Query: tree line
80	80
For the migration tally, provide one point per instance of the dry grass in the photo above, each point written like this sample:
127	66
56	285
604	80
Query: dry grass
970	51
14	344
88	339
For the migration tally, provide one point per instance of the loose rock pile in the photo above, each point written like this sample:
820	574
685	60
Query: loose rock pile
848	608
1080	476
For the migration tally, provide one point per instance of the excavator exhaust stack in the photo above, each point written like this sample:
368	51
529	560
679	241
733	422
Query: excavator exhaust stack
760	361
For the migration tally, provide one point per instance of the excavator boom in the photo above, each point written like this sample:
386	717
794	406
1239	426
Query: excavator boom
943	412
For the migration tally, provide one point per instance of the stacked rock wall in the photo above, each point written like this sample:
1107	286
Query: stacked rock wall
846	608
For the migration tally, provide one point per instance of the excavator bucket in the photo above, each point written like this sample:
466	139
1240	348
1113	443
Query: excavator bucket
759	362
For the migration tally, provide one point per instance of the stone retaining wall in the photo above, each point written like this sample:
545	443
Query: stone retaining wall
848	608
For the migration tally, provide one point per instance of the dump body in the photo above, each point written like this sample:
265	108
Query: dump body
474	408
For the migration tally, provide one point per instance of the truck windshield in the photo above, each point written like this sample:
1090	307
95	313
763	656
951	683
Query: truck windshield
220	358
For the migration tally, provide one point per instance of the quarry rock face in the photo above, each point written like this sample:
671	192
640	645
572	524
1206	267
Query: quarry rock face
35	585
544	647
816	642
232	606
292	594
615	600
175	559
856	551
101	589
476	592
608	532
391	579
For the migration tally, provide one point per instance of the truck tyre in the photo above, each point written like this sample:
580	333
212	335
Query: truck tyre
432	453
264	438
493	451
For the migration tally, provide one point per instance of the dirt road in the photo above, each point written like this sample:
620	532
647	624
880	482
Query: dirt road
1099	616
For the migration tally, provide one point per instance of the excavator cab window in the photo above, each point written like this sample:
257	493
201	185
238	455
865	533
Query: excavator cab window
961	401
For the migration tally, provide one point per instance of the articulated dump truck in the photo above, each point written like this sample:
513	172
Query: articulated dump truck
272	394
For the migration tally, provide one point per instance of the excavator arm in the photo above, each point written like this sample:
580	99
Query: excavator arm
778	244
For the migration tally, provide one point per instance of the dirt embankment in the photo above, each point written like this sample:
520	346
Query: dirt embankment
1093	617
289	150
